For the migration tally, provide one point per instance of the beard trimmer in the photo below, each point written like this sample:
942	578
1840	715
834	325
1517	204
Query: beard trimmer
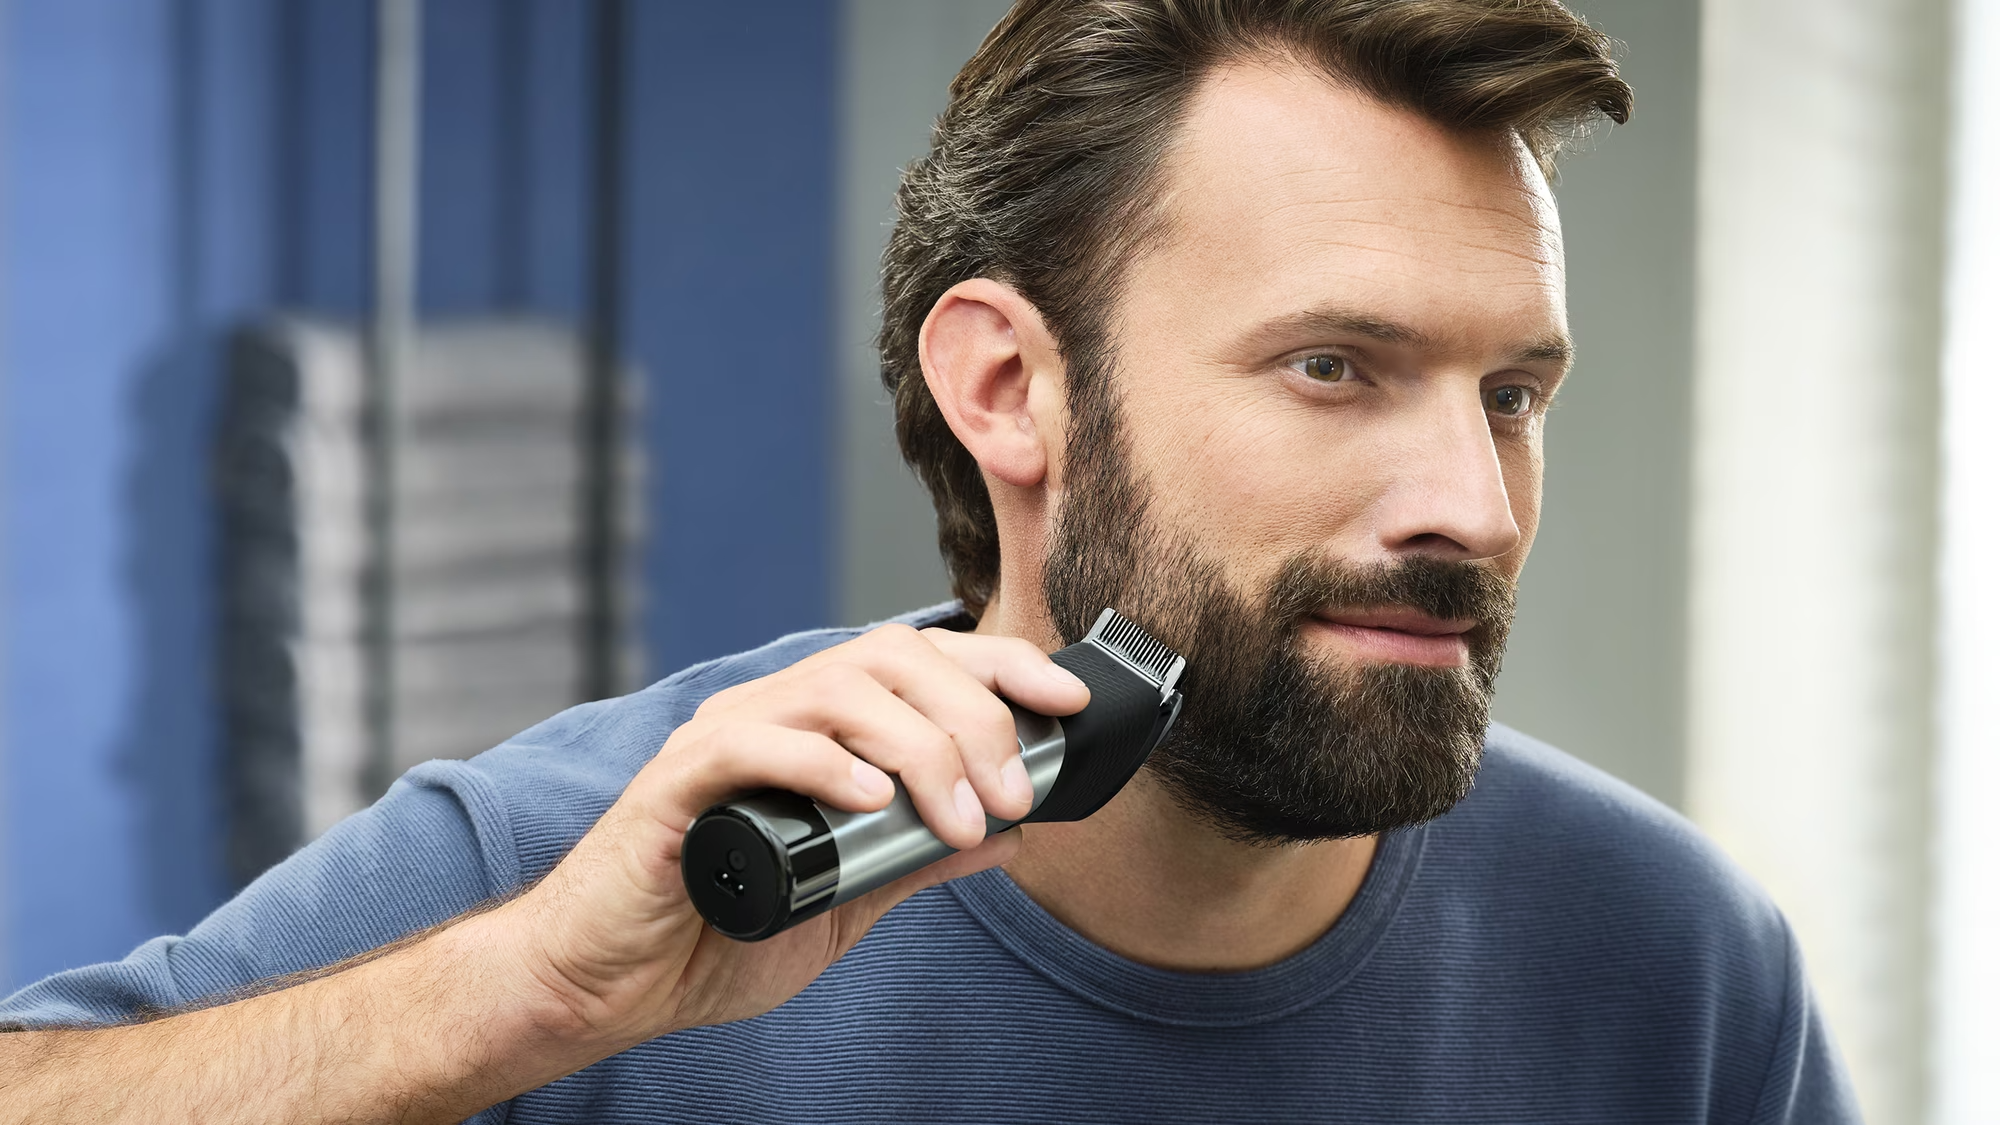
764	862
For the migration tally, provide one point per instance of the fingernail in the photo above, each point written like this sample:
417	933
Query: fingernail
1062	675
969	809
871	781
1014	781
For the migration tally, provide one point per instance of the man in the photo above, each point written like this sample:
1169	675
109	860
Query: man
1242	316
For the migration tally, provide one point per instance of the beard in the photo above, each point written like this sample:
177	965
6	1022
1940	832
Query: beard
1275	744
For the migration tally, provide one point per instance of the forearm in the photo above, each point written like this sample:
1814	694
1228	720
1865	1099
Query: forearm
605	951
433	1031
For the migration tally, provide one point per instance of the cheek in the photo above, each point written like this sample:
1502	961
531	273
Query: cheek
1251	479
1521	469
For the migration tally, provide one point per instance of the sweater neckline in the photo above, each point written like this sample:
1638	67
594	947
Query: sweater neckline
1183	999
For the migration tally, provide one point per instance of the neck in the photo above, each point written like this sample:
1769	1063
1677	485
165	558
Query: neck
1149	881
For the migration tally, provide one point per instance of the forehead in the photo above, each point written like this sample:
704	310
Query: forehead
1286	189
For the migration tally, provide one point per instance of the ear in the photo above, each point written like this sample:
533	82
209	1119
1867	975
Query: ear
996	375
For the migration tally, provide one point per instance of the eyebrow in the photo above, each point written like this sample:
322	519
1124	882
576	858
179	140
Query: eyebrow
1554	349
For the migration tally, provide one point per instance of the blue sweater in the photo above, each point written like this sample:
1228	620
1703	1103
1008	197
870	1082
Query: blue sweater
1558	948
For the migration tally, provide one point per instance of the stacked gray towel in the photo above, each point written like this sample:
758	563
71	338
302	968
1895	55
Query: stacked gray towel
488	583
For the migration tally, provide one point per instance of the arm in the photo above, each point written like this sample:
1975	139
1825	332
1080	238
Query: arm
418	1033
605	952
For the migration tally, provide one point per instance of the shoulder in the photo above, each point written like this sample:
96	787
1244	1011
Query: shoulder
1561	855
1592	839
1614	908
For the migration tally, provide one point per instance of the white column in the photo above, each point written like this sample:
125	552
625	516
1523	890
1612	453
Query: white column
1965	1075
1811	601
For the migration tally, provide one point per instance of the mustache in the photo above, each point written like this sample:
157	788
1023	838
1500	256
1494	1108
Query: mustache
1309	584
1232	642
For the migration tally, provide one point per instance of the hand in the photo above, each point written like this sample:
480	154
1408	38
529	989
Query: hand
610	934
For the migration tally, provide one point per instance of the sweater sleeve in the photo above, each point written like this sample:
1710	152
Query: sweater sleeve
412	860
1807	1083
446	837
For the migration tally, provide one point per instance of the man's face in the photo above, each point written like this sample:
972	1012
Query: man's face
1319	462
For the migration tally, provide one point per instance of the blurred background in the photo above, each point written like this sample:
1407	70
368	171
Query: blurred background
601	273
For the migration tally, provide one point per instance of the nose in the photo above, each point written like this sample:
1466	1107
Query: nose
1446	493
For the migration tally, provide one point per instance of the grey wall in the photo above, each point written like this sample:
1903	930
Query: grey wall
900	56
1596	661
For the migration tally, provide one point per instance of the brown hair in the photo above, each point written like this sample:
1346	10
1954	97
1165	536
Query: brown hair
1044	166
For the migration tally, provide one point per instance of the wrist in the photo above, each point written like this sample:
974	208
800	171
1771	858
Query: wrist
532	1028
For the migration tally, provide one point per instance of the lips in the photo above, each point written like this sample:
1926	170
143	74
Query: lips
1398	620
1393	635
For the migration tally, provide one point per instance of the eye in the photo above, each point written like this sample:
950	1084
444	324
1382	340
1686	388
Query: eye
1510	401
1326	368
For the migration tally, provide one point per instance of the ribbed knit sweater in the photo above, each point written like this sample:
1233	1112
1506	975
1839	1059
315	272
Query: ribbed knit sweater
1558	948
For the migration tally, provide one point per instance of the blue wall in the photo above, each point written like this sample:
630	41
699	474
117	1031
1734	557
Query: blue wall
169	168
729	309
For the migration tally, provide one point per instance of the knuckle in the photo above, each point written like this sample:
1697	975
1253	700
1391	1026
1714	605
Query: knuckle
689	737
839	676
720	701
897	637
932	753
818	755
1025	650
940	747
996	722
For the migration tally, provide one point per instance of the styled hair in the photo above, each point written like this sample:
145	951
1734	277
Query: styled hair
1045	168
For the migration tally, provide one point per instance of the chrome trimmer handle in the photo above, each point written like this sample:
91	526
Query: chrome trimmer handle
768	860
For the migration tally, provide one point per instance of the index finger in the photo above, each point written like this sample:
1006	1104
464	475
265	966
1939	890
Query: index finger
1014	669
